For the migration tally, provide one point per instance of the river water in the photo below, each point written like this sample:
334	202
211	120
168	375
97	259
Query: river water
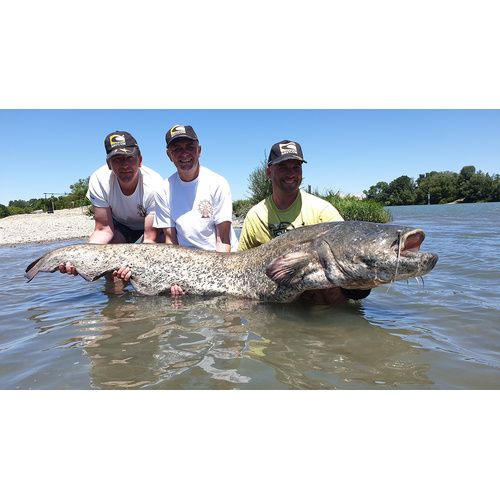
60	332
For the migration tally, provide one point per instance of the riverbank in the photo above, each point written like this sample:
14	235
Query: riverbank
68	224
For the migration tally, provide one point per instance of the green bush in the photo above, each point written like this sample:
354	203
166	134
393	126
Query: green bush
89	211
4	211
259	185
241	207
15	210
352	208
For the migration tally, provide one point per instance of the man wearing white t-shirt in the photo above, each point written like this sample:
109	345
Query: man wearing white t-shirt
195	207
122	195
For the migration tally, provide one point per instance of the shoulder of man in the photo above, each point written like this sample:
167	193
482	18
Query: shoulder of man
151	177
99	187
311	198
322	208
258	208
213	176
103	172
150	172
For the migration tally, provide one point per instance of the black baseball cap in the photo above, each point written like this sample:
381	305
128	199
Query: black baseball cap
285	150
120	143
180	131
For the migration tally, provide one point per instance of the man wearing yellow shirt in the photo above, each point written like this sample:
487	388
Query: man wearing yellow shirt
289	208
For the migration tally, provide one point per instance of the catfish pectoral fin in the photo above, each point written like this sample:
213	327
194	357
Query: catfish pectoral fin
286	269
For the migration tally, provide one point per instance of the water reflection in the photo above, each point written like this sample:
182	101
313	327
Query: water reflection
223	343
324	348
152	342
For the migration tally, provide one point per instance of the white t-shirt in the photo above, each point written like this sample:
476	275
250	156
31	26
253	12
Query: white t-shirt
104	191
194	208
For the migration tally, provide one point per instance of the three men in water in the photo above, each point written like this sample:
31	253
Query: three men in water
193	207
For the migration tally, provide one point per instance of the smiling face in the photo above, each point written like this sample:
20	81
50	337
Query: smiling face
286	176
185	154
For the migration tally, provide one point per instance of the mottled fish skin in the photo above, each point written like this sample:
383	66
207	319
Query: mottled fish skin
355	255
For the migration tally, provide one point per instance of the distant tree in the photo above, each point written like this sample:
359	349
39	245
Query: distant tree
401	191
241	207
80	187
495	190
467	172
378	192
442	187
36	203
464	178
259	185
479	188
4	211
16	210
19	204
77	197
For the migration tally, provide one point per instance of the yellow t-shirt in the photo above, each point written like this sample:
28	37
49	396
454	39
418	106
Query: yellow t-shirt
265	221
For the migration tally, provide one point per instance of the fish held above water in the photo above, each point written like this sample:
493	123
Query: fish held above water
351	254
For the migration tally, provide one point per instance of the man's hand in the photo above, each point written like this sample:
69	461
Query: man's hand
176	290
123	273
68	268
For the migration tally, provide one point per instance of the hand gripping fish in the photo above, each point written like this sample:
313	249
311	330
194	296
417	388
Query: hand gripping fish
351	254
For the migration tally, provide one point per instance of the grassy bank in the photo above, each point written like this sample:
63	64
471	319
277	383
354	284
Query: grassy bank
350	207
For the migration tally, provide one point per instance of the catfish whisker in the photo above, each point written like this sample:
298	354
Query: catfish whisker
399	256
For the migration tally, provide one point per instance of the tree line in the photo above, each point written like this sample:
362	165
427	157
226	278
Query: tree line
468	186
75	198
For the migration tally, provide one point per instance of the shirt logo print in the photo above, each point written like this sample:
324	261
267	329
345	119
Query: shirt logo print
205	208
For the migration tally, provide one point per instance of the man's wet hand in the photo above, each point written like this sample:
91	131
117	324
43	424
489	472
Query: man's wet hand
124	273
68	268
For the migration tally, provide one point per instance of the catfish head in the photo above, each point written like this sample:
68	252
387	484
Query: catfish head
365	255
353	255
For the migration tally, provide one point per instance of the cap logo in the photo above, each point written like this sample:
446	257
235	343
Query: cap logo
117	140
176	130
288	148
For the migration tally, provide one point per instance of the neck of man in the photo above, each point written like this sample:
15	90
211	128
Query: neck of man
129	188
189	175
283	201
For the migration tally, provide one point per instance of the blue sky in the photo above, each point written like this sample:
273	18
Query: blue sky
346	150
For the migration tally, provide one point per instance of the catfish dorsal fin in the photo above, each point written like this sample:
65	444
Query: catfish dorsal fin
287	269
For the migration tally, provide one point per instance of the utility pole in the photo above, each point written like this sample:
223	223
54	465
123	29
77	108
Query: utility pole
51	210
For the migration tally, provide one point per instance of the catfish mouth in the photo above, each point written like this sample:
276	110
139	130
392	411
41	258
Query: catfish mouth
409	243
408	246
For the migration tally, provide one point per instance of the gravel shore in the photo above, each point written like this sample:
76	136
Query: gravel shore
66	224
